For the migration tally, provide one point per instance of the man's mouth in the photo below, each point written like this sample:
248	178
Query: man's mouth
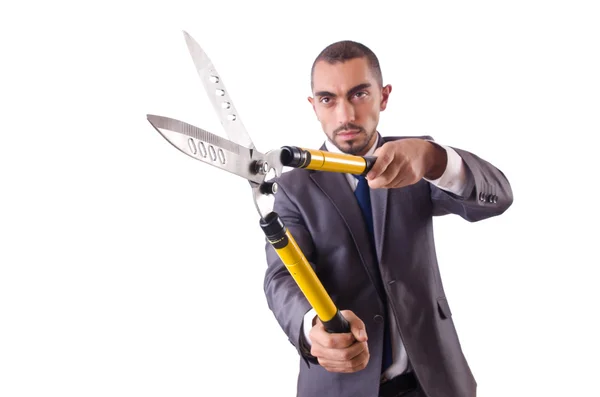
348	134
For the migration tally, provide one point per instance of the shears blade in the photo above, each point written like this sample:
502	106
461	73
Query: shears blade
209	148
218	94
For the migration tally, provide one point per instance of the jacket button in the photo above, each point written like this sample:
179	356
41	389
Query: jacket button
482	196
378	319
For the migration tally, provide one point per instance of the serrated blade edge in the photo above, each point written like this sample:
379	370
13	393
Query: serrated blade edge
207	147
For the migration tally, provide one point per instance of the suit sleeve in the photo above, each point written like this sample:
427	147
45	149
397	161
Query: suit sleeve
284	297
487	192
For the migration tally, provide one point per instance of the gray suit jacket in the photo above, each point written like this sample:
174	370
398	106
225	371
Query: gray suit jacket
321	212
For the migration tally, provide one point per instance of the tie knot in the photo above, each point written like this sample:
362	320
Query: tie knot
362	184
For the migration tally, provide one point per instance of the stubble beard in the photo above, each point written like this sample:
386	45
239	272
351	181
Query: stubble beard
356	146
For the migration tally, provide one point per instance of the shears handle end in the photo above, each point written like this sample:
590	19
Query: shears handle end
301	271
337	324
297	157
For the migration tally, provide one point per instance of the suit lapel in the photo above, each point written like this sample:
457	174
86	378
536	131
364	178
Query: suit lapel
335	187
379	199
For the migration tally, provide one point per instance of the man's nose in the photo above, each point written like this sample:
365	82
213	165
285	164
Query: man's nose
345	112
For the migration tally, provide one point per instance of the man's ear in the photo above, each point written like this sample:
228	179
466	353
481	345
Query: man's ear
385	94
312	102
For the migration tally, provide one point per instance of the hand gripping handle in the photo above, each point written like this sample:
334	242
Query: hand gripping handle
296	157
297	264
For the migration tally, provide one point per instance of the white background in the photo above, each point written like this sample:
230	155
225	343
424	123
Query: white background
125	271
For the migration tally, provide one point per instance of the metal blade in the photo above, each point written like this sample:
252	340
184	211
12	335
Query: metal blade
209	148
218	95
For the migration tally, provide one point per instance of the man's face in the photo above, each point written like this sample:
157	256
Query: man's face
347	100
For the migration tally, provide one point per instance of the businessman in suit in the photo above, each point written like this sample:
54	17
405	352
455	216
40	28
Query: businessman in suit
370	242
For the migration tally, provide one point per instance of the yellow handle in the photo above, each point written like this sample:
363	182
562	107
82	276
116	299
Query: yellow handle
301	271
293	156
298	266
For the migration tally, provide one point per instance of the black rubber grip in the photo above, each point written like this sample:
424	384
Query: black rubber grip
293	156
370	160
274	230
337	325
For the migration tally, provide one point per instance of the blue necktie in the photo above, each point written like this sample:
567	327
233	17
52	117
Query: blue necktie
363	196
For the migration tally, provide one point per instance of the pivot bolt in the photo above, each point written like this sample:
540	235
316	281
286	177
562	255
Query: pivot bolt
261	167
268	188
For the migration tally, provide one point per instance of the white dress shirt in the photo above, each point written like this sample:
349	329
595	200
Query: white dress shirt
454	180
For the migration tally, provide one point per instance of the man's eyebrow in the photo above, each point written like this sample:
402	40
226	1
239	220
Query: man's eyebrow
324	93
351	91
359	87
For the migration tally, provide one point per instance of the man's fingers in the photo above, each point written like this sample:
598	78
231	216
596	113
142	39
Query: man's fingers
388	177
357	327
356	363
358	331
350	353
341	352
394	167
318	335
339	355
384	158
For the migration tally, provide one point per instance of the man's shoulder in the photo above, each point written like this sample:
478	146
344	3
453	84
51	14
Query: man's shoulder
293	183
293	177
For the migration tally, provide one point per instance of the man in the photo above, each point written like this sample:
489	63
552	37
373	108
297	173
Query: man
376	260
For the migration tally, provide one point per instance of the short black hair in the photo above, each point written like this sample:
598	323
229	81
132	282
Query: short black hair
346	50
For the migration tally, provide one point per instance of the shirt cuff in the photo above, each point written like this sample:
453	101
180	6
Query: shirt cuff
307	325
454	178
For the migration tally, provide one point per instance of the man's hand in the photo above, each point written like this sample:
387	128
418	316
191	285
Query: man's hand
405	162
347	352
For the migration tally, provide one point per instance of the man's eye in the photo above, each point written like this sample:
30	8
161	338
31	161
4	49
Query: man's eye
360	94
324	100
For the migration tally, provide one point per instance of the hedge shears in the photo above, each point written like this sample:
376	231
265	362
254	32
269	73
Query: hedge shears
238	155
